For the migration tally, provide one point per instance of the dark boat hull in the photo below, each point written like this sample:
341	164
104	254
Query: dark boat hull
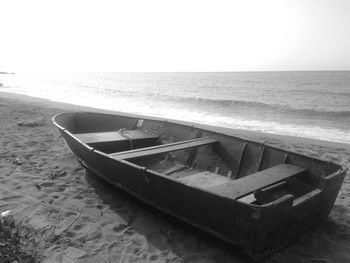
260	230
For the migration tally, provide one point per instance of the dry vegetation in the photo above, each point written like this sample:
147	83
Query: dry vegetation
17	243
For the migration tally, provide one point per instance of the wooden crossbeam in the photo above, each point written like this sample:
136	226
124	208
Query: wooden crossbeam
251	183
164	148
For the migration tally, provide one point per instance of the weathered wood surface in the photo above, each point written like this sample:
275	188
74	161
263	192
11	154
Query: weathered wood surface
204	179
249	184
96	137
164	148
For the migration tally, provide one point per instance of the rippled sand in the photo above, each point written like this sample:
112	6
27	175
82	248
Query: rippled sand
78	218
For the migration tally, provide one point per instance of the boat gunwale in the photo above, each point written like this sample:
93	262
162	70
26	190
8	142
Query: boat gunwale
302	200
163	209
260	143
139	167
143	168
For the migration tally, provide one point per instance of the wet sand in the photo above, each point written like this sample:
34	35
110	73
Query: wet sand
76	217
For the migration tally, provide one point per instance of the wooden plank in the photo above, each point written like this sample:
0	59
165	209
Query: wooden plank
175	169
99	137
251	183
192	155
160	146
204	179
96	137
240	161
164	148
225	155
261	157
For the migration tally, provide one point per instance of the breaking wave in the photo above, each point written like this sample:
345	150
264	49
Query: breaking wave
254	106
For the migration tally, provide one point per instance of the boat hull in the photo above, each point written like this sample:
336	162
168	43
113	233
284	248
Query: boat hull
260	230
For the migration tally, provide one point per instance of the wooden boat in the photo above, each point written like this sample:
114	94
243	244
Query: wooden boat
247	193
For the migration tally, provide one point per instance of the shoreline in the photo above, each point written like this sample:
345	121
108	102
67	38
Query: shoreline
77	218
248	134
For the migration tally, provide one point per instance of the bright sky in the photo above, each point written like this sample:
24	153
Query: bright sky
189	35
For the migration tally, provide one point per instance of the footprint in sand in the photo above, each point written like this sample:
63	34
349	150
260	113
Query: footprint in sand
139	240
153	258
17	187
60	189
158	241
119	227
194	257
8	206
93	211
11	198
70	234
77	227
47	184
91	233
69	213
79	197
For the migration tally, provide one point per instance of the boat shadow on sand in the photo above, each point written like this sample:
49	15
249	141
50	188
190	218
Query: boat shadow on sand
326	242
162	231
243	191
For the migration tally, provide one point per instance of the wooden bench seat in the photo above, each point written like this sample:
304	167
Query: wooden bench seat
163	148
204	179
122	140
96	137
251	183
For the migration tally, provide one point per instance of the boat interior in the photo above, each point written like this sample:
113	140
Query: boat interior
235	168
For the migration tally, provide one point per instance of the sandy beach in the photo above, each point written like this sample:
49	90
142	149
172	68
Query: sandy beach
74	217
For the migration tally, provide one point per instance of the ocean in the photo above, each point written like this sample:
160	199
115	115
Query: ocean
305	104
